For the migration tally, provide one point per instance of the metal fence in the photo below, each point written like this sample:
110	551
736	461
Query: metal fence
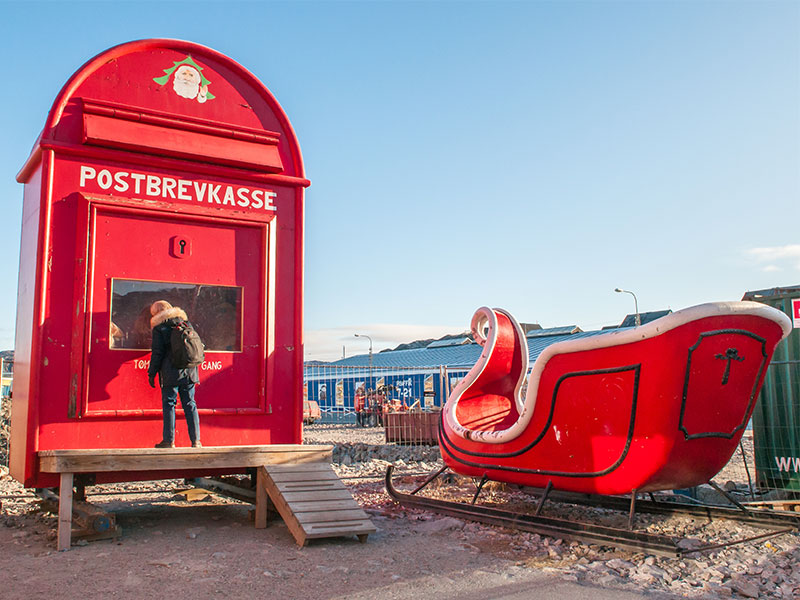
369	397
776	431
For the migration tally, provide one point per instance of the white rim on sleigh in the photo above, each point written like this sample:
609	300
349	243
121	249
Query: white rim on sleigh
486	317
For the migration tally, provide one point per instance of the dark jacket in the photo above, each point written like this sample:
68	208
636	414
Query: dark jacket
160	361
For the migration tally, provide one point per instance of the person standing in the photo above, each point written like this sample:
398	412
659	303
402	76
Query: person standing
174	382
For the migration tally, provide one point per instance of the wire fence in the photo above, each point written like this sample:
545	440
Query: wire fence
404	401
776	430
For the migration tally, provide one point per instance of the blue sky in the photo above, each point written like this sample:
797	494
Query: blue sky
528	155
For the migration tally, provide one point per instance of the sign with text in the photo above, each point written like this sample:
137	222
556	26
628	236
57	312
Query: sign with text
796	313
174	188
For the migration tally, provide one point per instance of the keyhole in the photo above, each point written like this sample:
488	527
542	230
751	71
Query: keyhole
182	244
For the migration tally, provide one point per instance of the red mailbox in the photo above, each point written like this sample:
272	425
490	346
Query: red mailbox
165	170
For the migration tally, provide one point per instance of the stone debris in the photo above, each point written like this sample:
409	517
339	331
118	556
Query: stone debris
753	570
5	429
764	569
440	525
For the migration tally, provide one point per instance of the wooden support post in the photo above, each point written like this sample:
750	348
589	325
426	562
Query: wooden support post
540	505
429	479
65	512
261	500
484	479
632	512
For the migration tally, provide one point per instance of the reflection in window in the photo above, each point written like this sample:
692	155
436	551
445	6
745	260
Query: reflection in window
215	311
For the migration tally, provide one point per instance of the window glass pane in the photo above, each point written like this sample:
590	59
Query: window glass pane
215	311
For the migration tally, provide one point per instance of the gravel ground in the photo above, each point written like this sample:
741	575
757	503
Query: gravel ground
763	569
211	549
5	425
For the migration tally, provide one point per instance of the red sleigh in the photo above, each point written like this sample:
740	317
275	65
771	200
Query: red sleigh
661	406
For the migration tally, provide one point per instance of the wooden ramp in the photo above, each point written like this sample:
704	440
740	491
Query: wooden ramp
312	501
192	462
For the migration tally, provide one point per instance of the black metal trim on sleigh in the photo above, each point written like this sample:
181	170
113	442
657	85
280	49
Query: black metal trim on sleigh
446	443
684	399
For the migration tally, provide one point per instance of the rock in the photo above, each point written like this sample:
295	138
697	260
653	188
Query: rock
654	571
642	577
690	544
620	565
746	589
439	525
607	580
159	563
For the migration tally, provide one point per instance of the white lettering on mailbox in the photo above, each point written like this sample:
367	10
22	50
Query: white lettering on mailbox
208	365
180	189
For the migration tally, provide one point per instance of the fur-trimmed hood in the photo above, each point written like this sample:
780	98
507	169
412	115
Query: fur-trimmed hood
166	315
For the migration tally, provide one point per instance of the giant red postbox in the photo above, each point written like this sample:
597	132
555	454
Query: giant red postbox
165	171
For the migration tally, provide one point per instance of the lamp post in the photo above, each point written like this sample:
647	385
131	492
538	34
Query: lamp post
366	397
635	304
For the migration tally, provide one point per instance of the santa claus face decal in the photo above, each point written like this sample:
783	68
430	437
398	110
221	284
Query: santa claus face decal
187	80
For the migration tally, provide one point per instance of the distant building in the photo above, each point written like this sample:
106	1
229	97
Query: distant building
6	376
412	373
645	317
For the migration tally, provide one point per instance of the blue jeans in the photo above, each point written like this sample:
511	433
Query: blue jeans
169	398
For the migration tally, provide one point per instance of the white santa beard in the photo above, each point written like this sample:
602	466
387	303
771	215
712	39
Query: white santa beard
184	88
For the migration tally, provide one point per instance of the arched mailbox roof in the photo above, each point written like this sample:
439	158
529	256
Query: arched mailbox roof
176	99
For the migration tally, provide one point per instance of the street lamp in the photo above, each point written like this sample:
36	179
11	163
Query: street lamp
635	304
366	397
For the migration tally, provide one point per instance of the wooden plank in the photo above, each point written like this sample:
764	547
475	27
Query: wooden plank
309	486
65	512
348	526
327	506
261	501
187	450
330	516
362	528
283	509
168	459
283	477
317	496
317	467
308	505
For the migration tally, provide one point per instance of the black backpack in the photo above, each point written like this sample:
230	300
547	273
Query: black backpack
186	349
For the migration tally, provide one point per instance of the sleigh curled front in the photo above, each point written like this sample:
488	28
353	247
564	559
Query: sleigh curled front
656	407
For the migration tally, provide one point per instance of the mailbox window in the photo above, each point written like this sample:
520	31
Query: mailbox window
215	311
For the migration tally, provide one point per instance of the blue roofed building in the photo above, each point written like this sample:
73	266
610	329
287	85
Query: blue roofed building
415	374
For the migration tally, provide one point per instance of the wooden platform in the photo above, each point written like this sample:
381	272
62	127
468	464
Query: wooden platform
68	462
312	501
